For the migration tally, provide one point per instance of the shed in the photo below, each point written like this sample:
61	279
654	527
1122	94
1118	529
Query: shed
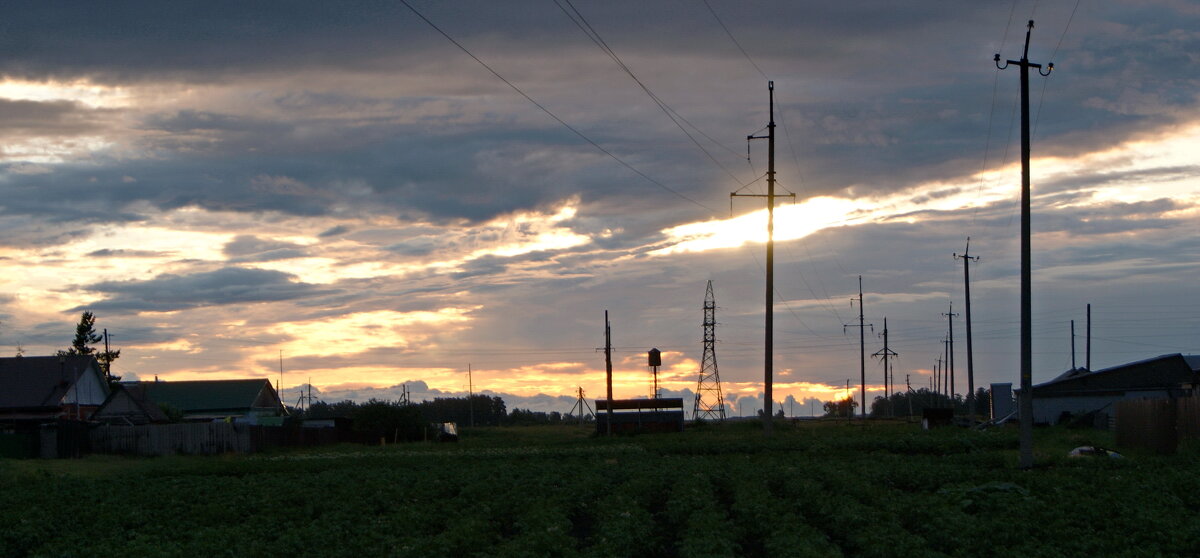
1080	391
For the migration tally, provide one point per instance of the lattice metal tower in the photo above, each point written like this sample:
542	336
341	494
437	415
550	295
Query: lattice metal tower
710	404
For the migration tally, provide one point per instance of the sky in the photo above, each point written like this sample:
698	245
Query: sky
367	196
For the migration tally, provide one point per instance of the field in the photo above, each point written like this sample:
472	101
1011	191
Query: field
814	489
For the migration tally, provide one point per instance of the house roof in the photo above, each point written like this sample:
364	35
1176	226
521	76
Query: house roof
29	382
1161	372
209	395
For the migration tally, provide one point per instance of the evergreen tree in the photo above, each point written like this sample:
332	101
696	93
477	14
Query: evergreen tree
85	338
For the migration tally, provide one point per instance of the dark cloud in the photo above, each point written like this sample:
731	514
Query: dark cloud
121	253
334	231
169	292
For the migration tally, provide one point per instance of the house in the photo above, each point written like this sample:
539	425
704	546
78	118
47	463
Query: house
1080	391
44	388
200	400
128	404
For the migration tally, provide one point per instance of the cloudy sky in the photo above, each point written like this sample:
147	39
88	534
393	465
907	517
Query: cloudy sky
348	186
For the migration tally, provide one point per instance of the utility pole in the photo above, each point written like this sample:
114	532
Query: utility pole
967	259
862	345
950	349
608	371
1087	362
1072	345
884	354
769	343
279	386
107	358
1026	402
940	374
908	384
471	395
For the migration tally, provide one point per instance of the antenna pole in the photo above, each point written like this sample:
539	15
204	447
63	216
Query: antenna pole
1026	400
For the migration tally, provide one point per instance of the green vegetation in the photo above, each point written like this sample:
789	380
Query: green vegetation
824	488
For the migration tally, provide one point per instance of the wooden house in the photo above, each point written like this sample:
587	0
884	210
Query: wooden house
45	388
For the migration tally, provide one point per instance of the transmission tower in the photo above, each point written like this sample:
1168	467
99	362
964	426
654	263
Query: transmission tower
710	404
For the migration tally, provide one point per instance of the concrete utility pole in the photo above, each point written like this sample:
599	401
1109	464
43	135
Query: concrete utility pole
1026	402
967	259
862	346
769	343
950	349
884	354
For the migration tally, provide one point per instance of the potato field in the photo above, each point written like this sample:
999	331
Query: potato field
814	489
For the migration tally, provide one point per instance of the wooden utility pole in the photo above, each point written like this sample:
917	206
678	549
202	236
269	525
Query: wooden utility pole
470	395
608	371
967	259
862	346
769	343
1026	401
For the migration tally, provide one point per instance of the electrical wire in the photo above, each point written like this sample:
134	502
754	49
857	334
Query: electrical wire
551	114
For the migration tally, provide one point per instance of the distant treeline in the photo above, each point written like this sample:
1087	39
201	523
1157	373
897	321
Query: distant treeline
913	403
478	410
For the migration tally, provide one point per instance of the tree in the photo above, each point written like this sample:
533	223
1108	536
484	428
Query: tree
85	337
841	408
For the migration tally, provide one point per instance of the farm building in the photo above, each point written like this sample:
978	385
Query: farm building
196	400
44	388
1080	391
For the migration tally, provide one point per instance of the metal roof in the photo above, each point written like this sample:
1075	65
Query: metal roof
1161	372
198	396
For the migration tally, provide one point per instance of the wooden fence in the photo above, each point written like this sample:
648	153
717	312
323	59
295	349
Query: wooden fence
1158	424
199	438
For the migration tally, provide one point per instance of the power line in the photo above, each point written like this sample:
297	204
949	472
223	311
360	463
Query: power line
734	39
582	23
551	114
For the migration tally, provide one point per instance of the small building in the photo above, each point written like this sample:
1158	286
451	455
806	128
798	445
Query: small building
631	416
1080	391
46	388
195	400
